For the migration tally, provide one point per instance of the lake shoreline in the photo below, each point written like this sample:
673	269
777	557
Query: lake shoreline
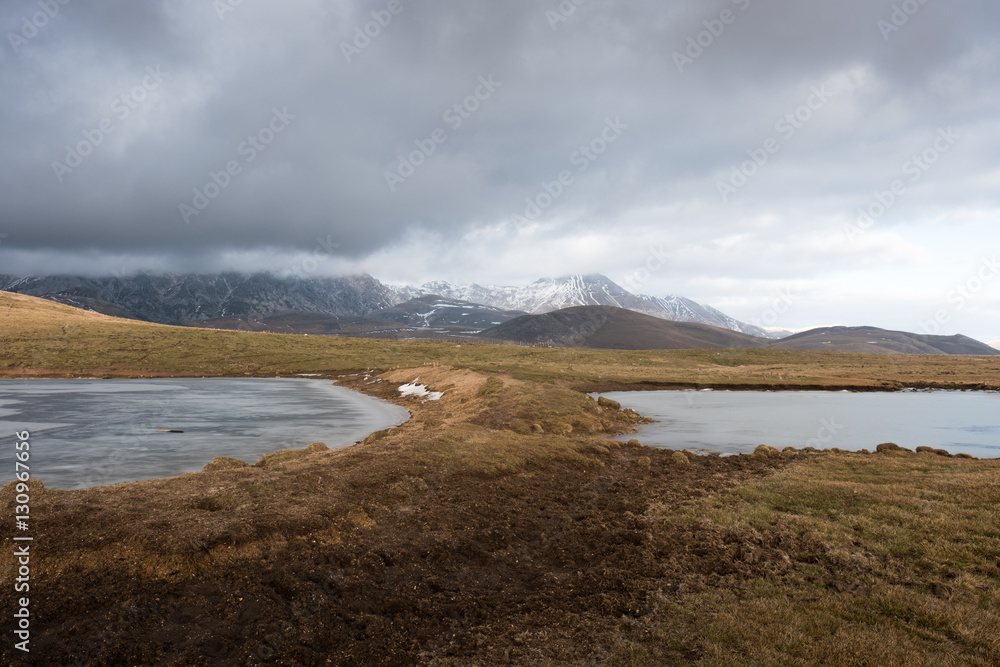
354	381
601	387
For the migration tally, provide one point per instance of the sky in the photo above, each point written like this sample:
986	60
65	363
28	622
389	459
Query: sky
794	164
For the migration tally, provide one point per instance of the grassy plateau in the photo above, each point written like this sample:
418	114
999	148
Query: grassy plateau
502	524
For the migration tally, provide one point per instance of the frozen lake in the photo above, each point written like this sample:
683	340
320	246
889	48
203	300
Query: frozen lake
738	421
88	433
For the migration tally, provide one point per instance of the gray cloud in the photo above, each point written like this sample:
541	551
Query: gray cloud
324	175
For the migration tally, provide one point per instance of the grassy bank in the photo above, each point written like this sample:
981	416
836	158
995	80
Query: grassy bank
500	525
881	559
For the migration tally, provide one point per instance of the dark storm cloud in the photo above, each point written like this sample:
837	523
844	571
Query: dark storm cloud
559	77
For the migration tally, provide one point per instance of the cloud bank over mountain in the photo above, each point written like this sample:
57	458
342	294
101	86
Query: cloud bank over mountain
732	151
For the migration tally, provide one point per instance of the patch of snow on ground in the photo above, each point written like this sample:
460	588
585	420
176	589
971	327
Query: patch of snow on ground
419	390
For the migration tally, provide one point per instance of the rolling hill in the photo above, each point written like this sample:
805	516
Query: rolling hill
606	327
881	341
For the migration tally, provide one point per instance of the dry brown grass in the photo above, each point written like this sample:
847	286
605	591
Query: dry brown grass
633	555
39	338
882	560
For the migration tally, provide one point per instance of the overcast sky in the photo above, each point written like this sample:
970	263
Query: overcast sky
720	150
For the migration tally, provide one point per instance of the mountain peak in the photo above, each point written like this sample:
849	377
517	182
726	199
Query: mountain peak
593	289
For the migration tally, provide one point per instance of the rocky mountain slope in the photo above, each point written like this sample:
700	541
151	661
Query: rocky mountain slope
193	298
436	311
551	294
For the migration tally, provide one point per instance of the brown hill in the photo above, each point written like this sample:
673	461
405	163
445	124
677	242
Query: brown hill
881	341
606	327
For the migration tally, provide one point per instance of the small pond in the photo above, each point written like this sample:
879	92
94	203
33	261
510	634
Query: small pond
732	422
88	433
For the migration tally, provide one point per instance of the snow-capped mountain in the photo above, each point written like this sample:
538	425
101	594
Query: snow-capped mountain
541	296
194	298
995	344
686	310
549	294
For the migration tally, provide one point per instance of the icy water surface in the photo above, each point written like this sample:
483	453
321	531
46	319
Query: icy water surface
91	432
738	421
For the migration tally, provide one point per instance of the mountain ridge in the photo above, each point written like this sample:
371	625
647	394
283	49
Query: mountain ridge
436	311
551	294
361	305
181	299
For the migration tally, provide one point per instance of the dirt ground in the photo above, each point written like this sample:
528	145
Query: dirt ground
414	547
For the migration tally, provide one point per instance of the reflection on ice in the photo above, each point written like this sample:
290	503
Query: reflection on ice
92	432
737	421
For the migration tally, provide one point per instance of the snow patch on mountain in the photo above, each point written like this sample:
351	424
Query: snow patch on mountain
549	294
